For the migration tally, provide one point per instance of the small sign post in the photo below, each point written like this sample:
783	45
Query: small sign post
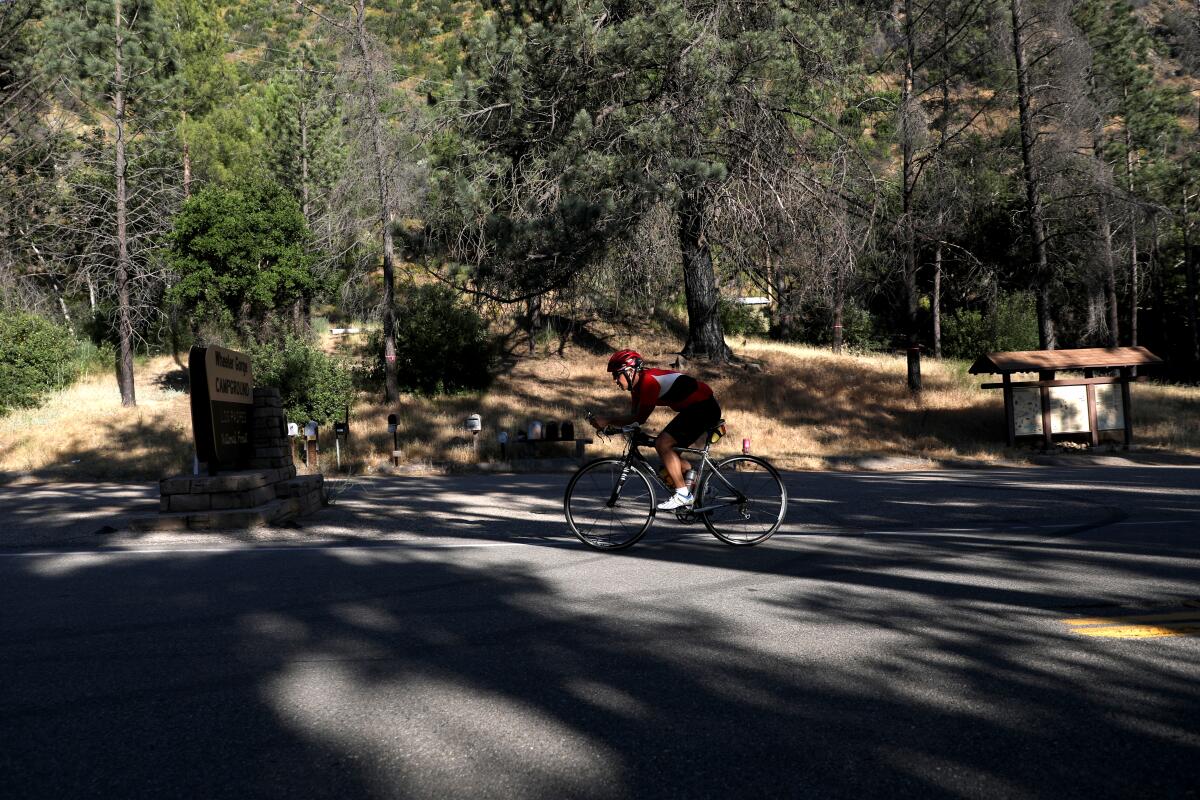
341	430
392	425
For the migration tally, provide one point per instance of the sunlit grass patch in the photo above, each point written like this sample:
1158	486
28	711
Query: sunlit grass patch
803	407
84	431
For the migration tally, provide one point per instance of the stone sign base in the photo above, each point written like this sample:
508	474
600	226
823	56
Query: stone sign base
271	492
242	499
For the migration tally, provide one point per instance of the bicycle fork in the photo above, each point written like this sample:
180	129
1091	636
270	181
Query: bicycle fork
616	492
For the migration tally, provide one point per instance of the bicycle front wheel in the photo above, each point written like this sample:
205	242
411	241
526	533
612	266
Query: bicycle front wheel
606	509
747	498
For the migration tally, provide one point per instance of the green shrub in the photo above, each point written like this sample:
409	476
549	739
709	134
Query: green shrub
243	253
814	325
442	345
36	357
1010	324
742	320
93	358
313	384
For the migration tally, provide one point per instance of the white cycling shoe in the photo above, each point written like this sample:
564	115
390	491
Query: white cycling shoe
681	498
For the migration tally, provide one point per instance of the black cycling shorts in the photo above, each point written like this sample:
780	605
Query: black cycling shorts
694	421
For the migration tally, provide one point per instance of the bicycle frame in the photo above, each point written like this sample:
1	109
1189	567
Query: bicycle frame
633	455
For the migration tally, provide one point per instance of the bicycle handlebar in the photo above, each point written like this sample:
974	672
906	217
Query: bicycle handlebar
632	429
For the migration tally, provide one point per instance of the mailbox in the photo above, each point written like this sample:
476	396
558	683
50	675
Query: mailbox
341	429
310	430
293	429
502	437
391	423
474	423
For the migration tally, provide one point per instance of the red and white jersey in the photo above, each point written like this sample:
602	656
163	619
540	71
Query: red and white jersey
664	387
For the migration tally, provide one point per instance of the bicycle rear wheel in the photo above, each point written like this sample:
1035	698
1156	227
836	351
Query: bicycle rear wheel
751	500
606	511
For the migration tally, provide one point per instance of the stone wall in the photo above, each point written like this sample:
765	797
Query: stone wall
269	492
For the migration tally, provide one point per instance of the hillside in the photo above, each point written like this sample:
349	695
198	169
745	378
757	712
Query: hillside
803	407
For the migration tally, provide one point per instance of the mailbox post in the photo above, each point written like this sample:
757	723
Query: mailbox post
312	450
293	432
475	425
392	424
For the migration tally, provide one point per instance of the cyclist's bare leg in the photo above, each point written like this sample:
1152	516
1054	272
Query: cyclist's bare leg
676	466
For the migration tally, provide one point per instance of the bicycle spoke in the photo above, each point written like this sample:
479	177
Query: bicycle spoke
596	522
750	508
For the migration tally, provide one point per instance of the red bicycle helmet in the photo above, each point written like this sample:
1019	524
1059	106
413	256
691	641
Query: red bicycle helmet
623	360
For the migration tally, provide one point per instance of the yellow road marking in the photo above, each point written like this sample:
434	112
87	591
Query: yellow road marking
1166	622
1179	615
1138	631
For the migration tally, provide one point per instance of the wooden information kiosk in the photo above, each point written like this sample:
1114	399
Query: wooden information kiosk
1073	405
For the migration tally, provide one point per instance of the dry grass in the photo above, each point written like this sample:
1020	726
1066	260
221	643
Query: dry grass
84	433
803	407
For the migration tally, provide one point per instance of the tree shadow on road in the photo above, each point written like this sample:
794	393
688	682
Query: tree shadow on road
405	673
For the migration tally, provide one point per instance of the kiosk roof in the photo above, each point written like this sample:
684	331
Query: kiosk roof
1054	360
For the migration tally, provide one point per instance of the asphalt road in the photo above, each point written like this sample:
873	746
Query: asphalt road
1023	633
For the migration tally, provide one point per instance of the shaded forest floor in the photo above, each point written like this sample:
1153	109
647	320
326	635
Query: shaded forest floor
803	407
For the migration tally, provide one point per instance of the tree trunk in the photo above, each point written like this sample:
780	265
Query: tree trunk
943	128
302	309
1133	242
911	297
1104	223
1191	255
1110	276
304	161
385	212
124	311
937	301
187	161
533	308
839	313
62	305
772	295
1035	219
1158	280
705	337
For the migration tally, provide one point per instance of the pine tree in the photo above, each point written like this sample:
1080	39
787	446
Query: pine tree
115	63
30	146
583	118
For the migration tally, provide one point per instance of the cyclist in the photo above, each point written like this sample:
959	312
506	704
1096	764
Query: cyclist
693	399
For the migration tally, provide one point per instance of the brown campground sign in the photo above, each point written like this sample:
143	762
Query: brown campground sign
222	384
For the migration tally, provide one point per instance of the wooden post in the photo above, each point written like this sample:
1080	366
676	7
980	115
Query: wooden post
1091	404
1125	406
1047	438
1009	414
1092	422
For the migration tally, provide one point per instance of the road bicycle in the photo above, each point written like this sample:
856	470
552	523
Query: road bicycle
610	503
